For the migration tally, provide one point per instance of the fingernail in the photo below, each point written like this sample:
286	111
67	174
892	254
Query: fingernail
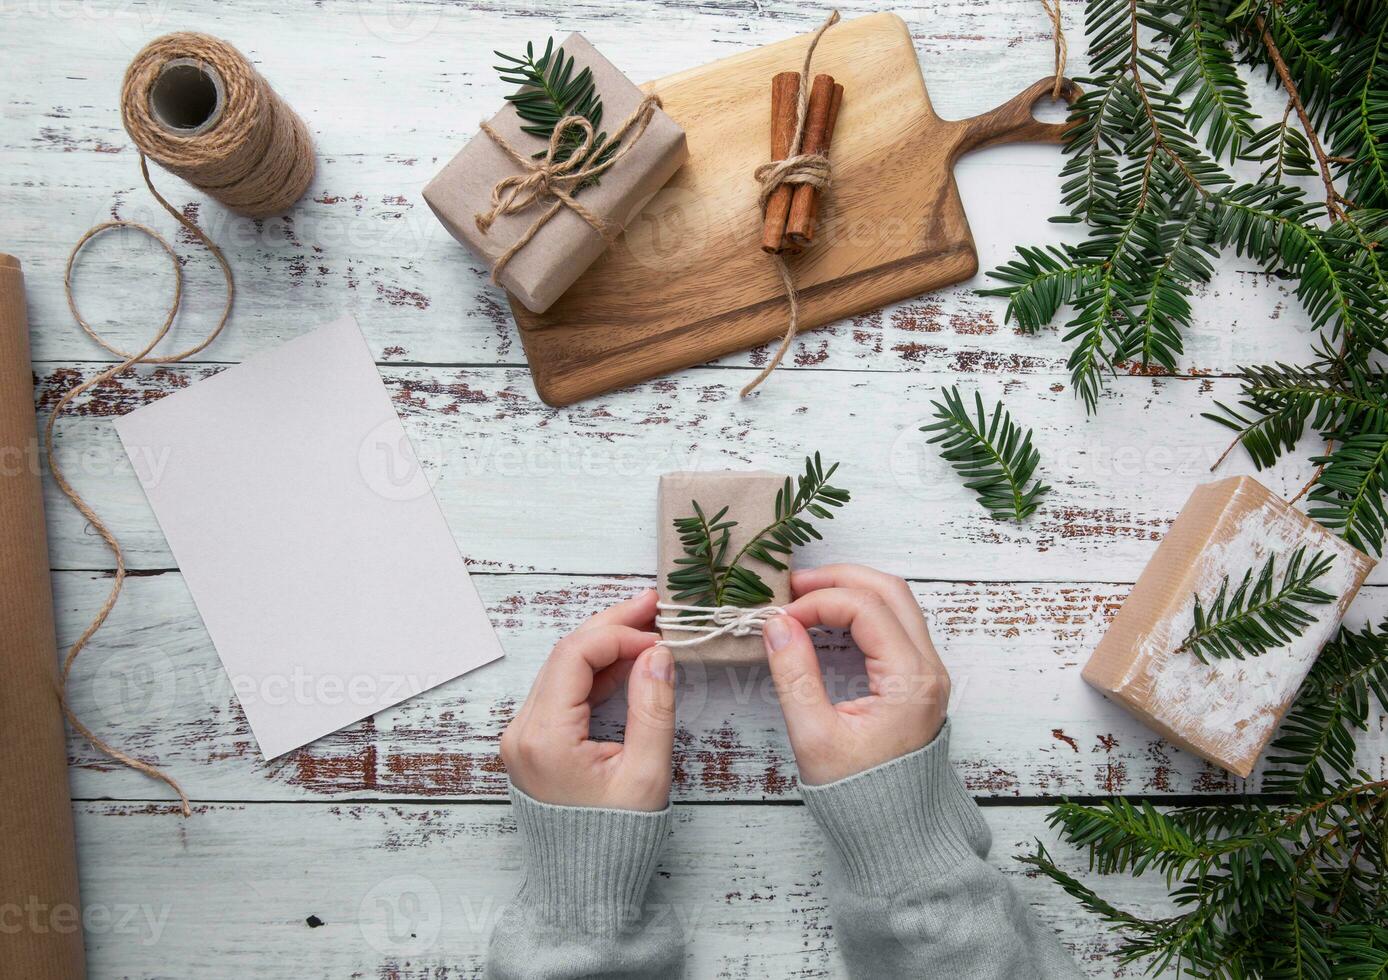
776	633
661	665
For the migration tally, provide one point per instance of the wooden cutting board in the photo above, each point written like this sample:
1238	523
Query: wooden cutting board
687	281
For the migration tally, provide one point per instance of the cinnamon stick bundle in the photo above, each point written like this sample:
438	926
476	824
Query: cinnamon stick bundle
785	95
791	211
825	98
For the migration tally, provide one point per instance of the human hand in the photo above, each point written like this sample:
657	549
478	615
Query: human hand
908	683
546	747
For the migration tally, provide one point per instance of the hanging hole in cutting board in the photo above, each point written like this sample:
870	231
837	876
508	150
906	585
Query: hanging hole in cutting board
1049	110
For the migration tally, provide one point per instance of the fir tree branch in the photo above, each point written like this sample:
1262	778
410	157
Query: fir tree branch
1255	618
1279	400
1202	63
1362	131
1349	495
1158	134
1040	282
1332	197
705	576
993	456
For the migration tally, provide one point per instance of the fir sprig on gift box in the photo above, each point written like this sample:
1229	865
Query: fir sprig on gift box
1257	618
996	460
706	577
551	91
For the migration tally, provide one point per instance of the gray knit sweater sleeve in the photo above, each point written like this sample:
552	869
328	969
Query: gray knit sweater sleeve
585	907
909	890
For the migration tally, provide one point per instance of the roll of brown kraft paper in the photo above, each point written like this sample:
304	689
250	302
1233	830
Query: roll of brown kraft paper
40	912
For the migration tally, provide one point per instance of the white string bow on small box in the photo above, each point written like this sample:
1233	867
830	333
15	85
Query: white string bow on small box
711	622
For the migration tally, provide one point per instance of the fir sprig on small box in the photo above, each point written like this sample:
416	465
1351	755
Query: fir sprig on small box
550	91
707	577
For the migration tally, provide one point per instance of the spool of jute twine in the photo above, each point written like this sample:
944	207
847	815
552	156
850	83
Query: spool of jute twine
194	105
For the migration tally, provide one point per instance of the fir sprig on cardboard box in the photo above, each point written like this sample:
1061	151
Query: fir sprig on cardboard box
705	576
551	91
1257	618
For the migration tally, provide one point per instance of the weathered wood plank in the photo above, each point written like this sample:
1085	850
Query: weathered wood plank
526	487
409	892
371	247
1025	723
363	239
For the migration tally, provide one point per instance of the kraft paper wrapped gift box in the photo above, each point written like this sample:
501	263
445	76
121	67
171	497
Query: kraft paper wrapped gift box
1227	710
566	245
751	501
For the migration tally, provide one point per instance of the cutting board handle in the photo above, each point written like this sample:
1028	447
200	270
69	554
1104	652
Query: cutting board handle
1012	122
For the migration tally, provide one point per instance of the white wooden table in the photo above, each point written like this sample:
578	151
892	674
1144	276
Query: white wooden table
386	850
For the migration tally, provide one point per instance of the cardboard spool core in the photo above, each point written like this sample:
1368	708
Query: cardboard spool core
187	97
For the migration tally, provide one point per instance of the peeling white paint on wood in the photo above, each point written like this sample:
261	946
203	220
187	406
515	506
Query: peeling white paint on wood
411	892
1025	724
527	487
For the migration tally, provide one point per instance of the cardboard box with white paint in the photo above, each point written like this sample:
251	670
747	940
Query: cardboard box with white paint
1225	710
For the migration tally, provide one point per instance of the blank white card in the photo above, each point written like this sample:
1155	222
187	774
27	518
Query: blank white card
309	537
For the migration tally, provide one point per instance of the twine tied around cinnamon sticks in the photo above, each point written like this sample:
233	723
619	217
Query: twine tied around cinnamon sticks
806	170
779	178
549	177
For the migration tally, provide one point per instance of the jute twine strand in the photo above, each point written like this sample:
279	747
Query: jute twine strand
143	356
797	168
257	159
1062	47
550	178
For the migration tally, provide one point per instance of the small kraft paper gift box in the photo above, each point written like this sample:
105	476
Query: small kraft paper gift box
1225	710
566	243
751	501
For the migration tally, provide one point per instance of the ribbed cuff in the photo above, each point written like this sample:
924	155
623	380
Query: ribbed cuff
587	868
897	821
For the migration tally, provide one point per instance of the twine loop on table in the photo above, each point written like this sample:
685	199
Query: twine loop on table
255	155
797	168
128	359
711	622
549	177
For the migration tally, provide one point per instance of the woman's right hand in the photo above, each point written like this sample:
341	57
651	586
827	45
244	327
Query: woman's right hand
908	684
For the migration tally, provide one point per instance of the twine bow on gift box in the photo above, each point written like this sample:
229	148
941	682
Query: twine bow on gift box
711	622
549	177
